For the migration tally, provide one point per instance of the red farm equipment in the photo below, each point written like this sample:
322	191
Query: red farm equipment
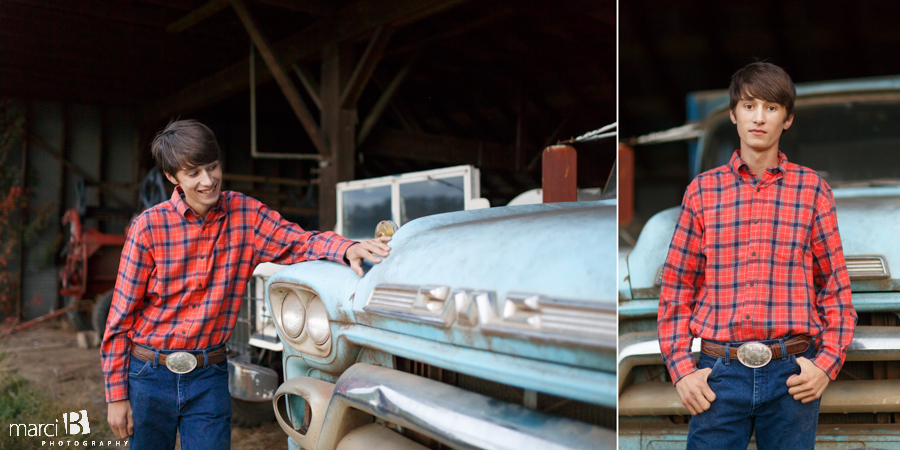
89	274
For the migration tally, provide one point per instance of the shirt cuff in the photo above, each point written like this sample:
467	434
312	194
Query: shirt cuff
682	366
830	365
342	250
117	393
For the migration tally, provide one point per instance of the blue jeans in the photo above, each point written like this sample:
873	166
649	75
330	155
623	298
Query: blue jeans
197	404
748	399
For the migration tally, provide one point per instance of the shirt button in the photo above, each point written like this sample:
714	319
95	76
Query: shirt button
755	220
200	285
751	284
753	254
757	189
183	331
747	317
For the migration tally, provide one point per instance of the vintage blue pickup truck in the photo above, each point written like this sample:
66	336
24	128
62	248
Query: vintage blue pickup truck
849	132
487	328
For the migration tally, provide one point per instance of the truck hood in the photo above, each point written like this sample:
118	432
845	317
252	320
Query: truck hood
560	250
868	220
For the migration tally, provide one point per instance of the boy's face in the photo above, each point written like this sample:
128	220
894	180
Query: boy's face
760	123
201	186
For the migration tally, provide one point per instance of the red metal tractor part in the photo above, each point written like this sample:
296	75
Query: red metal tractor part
92	263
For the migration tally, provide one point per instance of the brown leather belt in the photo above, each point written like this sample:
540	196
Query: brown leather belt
215	356
794	346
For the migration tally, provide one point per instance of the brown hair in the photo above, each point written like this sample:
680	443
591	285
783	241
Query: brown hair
765	81
184	144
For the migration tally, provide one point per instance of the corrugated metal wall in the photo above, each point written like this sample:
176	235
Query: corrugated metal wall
100	142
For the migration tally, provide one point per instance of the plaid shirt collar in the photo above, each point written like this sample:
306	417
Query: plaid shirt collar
741	170
182	207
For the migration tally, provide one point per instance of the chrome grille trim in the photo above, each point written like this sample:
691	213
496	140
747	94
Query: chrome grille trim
867	267
426	304
553	319
518	315
393	296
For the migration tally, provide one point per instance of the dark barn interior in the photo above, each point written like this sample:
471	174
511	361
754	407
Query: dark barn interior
344	90
668	49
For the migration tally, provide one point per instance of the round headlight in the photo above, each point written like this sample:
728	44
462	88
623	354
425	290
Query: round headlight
293	315
317	321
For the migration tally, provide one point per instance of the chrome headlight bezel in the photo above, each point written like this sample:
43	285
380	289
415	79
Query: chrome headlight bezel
310	334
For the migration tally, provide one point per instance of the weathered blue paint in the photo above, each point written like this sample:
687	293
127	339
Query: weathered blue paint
649	253
539	249
572	354
639	309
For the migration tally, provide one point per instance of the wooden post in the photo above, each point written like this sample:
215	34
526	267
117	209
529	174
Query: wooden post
626	184
338	128
560	174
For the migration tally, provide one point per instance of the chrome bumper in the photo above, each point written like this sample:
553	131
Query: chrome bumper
453	416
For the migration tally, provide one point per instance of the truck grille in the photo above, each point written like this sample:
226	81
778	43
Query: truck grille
867	267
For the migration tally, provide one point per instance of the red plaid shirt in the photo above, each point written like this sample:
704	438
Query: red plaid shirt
181	278
753	259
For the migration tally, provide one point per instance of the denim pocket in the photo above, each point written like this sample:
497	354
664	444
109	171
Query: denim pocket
222	366
138	368
795	366
715	368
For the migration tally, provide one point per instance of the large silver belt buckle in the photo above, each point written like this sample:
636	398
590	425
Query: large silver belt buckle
754	354
181	362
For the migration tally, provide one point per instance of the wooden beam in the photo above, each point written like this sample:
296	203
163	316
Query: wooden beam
281	77
196	16
314	7
349	23
383	101
449	150
309	82
366	66
339	125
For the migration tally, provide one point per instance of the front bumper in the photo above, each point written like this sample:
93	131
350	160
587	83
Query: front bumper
455	417
641	436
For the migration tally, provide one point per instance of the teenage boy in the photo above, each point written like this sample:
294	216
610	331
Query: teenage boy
183	272
756	270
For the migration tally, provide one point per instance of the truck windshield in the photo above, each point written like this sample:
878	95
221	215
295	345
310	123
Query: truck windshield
847	143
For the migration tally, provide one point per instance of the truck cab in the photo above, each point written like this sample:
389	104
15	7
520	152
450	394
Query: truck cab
848	132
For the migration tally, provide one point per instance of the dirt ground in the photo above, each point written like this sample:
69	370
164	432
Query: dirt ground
47	356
